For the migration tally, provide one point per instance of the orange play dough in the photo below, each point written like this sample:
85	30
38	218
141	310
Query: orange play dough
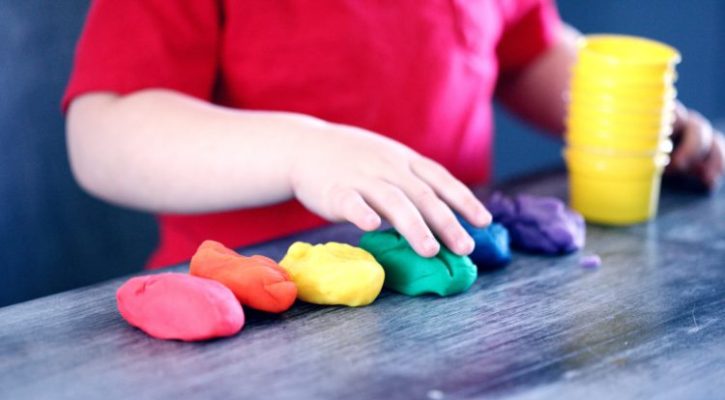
256	281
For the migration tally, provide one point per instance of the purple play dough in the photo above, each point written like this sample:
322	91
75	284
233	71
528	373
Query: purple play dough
592	261
538	224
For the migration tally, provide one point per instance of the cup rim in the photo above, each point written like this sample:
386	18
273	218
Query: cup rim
620	136
615	177
609	72
668	54
617	121
629	94
606	83
619	131
587	60
621	107
663	147
598	156
588	111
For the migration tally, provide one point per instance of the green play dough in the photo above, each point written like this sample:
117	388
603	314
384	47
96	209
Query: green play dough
408	273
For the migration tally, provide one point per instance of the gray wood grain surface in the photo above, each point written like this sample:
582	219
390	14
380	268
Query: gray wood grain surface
650	322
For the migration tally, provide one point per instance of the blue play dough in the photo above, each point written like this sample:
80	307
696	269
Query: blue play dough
493	247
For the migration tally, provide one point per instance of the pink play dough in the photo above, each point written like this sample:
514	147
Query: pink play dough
180	306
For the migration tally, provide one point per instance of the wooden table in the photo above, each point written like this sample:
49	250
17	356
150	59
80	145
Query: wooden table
650	322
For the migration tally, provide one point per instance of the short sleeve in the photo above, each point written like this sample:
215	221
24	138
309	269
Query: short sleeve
129	45
530	28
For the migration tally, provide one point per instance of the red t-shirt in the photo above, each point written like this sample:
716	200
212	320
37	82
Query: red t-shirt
420	72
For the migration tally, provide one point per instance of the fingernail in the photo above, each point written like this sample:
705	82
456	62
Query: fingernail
372	221
483	218
431	246
464	245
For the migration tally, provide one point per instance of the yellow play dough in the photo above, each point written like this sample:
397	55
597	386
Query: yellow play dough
333	273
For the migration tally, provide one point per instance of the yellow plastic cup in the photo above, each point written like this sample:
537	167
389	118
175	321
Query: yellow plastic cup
593	141
625	65
613	164
619	124
611	117
621	132
591	104
633	99
614	189
652	108
586	63
584	71
609	80
621	111
630	53
617	202
639	92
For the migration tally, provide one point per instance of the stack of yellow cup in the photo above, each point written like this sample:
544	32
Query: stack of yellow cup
620	116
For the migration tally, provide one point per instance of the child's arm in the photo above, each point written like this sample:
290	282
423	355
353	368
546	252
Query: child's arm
537	93
162	151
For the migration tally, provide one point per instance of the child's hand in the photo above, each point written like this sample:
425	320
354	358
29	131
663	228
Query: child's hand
701	149
346	173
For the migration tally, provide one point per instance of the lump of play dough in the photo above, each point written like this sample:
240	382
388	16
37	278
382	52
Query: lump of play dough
334	273
592	261
538	224
492	244
408	273
256	281
180	306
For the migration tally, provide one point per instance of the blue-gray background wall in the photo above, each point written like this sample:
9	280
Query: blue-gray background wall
53	237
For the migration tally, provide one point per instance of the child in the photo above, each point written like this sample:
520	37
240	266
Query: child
231	119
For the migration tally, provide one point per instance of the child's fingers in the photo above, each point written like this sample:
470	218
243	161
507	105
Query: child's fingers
681	113
452	191
397	208
696	140
714	167
437	214
352	207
